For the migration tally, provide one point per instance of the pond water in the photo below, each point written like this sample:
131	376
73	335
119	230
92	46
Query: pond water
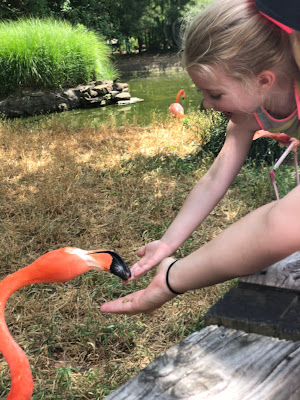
158	90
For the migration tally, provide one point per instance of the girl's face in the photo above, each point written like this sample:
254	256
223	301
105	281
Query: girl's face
227	94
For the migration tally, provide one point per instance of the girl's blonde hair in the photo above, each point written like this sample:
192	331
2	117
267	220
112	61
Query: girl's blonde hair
234	36
295	41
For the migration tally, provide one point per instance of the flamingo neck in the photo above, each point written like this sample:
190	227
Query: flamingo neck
21	378
180	93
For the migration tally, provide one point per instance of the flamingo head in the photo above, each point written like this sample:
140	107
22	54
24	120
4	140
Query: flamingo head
261	133
111	261
67	263
282	138
182	93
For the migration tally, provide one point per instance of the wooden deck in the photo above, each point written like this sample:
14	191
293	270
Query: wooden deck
267	302
223	364
227	363
284	275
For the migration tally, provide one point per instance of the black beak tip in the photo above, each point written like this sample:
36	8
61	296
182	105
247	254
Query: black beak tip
119	267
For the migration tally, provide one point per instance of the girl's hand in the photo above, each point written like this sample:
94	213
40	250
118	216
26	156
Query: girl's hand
146	300
151	255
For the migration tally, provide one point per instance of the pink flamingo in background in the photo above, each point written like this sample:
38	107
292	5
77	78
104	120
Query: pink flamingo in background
176	109
283	140
59	265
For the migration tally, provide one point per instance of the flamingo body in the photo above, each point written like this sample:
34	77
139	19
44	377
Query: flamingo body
176	109
284	140
56	266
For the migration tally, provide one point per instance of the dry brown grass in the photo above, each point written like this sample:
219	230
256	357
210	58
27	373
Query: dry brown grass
104	187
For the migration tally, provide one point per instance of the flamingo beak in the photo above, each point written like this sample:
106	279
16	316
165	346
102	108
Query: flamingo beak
118	266
259	134
256	135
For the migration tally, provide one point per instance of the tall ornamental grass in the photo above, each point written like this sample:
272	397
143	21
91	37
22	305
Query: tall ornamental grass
46	53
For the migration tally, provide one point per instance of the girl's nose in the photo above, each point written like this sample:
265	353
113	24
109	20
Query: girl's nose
207	103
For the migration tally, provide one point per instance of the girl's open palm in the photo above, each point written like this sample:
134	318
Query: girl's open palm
146	300
151	255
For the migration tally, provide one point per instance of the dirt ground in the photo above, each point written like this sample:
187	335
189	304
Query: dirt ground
146	61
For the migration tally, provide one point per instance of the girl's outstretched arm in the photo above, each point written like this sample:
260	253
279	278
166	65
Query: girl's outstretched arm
202	199
256	241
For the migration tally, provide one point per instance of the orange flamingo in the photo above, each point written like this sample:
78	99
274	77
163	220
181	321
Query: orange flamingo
56	266
283	140
176	109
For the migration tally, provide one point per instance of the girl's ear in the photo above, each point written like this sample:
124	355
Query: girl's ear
266	79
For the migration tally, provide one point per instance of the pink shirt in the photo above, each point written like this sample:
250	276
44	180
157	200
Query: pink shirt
289	125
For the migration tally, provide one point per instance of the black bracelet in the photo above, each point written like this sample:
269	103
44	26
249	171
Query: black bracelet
167	278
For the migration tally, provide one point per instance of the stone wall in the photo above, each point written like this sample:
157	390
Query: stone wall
93	94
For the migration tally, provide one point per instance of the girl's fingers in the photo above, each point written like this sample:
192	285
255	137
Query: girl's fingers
141	252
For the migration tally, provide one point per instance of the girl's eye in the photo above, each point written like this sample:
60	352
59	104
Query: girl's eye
215	96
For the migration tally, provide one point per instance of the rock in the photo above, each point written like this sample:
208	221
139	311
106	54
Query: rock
101	89
72	97
122	96
63	107
131	101
83	88
37	93
120	86
92	94
94	101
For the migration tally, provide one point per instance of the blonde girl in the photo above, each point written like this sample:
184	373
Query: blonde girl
244	66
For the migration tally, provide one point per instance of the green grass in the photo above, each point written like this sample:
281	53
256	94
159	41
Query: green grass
47	53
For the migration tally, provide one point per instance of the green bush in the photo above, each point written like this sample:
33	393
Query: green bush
262	150
46	53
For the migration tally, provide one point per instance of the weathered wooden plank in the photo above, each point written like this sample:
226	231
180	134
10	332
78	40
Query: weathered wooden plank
258	309
220	363
284	274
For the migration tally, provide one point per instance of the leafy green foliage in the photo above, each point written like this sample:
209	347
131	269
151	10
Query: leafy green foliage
97	15
262	150
49	53
193	7
154	24
12	9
